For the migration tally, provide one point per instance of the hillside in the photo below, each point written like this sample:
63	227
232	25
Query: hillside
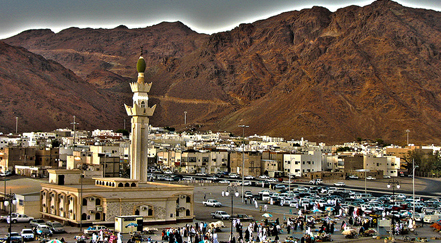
44	95
368	72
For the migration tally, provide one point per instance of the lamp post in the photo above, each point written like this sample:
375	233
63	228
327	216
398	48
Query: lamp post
393	183
232	190
185	118
9	201
413	190
243	157
74	124
364	170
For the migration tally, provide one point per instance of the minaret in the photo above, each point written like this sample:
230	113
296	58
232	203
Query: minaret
140	113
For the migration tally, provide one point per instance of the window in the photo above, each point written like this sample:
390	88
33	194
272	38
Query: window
84	201
20	202
187	199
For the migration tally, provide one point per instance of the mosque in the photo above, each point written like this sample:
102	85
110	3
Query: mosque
81	197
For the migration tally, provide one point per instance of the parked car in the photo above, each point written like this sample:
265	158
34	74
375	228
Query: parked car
234	175
220	215
243	217
56	227
27	234
263	177
353	177
94	229
316	182
20	218
224	181
212	203
386	176
35	222
249	177
43	230
339	184
370	178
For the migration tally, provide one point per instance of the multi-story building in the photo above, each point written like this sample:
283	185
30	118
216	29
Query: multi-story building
252	163
12	156
302	163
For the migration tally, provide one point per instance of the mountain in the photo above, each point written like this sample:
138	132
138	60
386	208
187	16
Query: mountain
360	72
44	95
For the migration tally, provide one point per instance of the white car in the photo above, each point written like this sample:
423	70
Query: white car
339	184
271	180
249	177
263	177
370	178
224	181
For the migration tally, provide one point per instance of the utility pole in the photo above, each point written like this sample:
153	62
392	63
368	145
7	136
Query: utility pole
16	125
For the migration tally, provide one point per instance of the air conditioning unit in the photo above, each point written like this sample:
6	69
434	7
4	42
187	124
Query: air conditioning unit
99	208
144	208
92	199
183	196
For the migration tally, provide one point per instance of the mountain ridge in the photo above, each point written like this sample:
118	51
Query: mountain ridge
359	72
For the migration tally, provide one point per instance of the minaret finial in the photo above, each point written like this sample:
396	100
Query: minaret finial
142	50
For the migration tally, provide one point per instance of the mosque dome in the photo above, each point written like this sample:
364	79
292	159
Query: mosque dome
141	65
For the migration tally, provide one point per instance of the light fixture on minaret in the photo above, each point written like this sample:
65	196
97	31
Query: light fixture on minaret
140	113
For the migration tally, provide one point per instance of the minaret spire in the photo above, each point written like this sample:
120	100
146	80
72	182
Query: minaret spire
140	113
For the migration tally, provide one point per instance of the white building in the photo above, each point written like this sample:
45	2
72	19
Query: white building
299	164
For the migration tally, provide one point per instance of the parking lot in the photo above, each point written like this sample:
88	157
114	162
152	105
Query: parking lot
214	191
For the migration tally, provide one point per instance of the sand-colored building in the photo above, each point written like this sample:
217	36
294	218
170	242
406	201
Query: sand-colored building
70	198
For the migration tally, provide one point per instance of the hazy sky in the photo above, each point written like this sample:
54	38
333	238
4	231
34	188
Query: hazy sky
203	16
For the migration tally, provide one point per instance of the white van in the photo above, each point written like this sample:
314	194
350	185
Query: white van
432	218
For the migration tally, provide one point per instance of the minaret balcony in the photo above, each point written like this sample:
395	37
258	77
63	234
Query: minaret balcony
137	110
140	87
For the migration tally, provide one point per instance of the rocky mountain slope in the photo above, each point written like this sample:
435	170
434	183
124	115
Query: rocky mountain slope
368	72
44	95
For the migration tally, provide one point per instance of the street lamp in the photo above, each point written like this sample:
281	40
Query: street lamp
413	190
393	183
185	118
364	170
243	157
9	201
232	190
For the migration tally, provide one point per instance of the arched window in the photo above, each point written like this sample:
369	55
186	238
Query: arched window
97	216
137	212
104	216
84	216
120	184
84	201
150	212
187	212
133	184
98	201
127	185
142	104
188	199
